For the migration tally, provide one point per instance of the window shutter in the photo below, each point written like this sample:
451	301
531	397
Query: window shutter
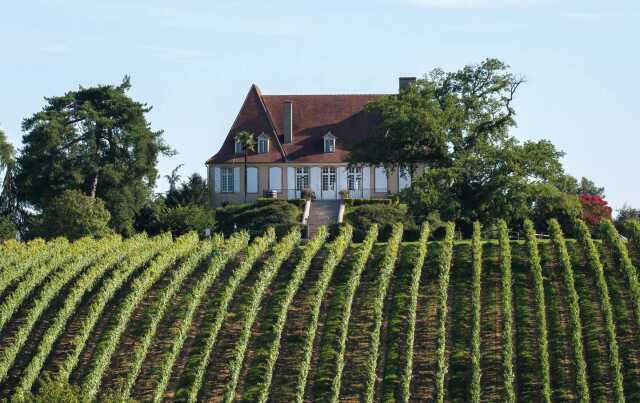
380	179
275	178
216	179
236	179
342	178
252	180
366	181
404	178
291	179
315	178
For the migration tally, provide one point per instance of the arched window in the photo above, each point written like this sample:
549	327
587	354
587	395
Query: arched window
263	143
329	143
239	148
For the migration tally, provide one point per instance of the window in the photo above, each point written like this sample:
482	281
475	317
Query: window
239	148
354	178
328	179
302	178
329	143
226	174
263	144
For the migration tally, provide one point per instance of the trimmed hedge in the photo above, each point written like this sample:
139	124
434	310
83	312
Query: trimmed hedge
198	361
444	268
105	293
593	259
382	285
385	216
574	311
621	253
259	376
361	202
399	359
333	346
476	369
110	339
81	287
193	300
249	310
507	311
541	315
336	251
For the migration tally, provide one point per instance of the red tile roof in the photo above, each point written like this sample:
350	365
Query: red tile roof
313	117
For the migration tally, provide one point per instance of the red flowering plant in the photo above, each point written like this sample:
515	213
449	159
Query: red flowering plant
594	209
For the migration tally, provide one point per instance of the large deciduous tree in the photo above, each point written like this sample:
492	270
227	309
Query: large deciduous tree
96	140
456	124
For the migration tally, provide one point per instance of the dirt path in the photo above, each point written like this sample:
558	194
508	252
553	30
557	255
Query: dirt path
594	334
563	378
283	386
206	310
527	331
459	325
149	372
626	328
492	384
331	311
353	375
18	320
426	343
120	365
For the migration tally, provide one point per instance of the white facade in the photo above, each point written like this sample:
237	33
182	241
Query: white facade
288	181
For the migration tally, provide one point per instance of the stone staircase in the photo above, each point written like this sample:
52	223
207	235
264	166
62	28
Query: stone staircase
322	212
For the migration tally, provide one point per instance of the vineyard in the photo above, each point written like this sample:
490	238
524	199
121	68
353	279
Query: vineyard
279	319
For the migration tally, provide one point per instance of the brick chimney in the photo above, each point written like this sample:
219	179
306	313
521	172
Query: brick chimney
405	82
287	121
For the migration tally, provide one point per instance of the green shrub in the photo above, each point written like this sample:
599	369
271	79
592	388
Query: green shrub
74	215
385	216
628	229
255	218
182	219
560	245
264	201
552	203
538	279
476	370
363	202
7	229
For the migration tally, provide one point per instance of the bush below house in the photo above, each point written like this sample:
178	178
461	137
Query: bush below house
385	215
280	214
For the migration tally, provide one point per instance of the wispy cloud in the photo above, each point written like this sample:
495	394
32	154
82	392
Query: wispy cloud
472	3
487	27
600	17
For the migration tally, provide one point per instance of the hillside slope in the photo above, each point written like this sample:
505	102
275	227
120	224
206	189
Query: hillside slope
327	320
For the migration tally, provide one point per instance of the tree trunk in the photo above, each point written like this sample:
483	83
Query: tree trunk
245	174
94	186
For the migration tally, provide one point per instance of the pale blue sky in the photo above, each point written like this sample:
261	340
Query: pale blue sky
194	61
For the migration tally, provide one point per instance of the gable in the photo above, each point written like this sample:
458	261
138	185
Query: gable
255	118
313	117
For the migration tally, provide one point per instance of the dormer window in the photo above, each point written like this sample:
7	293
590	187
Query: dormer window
329	143
263	144
239	148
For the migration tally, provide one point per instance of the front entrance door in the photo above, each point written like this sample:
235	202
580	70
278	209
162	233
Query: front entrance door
329	188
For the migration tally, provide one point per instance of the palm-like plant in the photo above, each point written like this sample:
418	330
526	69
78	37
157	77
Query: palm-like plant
248	144
7	152
8	191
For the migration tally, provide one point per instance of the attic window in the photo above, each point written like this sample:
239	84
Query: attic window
263	144
329	143
238	147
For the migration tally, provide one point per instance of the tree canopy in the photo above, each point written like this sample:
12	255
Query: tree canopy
457	126
96	140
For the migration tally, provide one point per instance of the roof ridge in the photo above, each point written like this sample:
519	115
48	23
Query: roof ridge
270	119
325	95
